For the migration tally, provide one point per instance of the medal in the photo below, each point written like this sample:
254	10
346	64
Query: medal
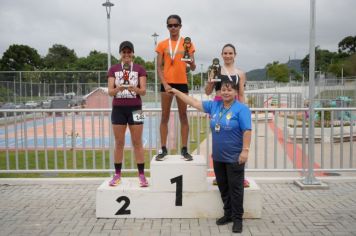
171	52
217	128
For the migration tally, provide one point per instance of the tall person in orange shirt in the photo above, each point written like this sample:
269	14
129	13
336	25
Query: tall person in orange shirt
172	72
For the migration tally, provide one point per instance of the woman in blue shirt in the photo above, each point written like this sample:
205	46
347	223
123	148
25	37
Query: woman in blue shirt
230	123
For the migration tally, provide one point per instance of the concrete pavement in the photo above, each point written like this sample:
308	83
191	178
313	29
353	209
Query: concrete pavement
67	207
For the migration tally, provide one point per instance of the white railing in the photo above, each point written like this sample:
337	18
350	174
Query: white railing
81	140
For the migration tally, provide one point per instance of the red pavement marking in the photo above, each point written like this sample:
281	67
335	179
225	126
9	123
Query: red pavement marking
211	173
266	103
289	150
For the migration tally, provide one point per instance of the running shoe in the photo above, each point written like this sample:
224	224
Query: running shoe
161	155
116	180
143	181
186	155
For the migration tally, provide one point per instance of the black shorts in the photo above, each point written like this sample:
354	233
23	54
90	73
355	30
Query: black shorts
181	87
122	115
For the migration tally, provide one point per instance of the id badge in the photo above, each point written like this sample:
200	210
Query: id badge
217	128
138	116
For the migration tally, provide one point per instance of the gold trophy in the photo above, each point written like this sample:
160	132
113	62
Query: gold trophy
216	69
187	45
126	72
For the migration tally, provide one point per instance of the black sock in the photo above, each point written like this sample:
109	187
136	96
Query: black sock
117	168
164	149
141	168
184	150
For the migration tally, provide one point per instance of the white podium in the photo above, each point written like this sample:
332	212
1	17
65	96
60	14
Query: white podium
178	189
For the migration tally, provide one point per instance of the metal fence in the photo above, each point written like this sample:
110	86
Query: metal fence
22	86
81	140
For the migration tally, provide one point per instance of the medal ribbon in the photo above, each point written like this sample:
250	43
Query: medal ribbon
228	75
173	54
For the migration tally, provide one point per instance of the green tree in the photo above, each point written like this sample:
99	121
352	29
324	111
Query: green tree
150	65
20	58
348	45
323	58
279	72
295	75
335	69
139	60
94	61
59	57
349	66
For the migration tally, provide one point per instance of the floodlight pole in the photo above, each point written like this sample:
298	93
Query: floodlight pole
108	6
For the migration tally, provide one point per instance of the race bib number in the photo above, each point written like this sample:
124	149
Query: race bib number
138	116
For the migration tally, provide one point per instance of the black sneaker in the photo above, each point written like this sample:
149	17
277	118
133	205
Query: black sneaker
237	227
223	220
186	155
161	155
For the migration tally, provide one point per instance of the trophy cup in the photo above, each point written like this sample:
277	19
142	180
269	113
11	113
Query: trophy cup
187	45
216	68
126	72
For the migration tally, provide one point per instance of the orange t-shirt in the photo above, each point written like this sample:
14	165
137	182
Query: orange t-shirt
176	73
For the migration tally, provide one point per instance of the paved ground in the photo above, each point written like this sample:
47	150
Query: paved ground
67	207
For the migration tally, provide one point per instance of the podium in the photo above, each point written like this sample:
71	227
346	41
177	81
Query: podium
177	189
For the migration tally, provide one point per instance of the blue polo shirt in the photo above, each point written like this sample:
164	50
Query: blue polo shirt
227	143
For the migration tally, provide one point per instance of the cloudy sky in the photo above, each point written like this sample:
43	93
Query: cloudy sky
262	30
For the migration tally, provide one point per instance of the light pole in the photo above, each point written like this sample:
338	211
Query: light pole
155	35
201	81
310	177
108	6
342	80
201	95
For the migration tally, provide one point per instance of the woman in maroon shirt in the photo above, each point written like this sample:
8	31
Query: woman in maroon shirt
127	83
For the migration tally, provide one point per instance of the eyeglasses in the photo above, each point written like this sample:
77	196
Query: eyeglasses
173	25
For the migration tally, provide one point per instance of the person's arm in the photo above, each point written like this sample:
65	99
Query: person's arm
246	140
241	95
187	99
112	90
139	90
160	71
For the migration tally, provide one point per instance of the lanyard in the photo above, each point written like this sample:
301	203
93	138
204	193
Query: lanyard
228	75
223	112
173	54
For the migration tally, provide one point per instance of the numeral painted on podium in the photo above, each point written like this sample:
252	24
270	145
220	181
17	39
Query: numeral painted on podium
179	189
123	210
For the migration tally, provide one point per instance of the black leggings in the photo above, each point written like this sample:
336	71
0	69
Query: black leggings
230	178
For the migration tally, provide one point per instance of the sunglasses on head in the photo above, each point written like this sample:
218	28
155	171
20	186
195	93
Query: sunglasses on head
173	25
